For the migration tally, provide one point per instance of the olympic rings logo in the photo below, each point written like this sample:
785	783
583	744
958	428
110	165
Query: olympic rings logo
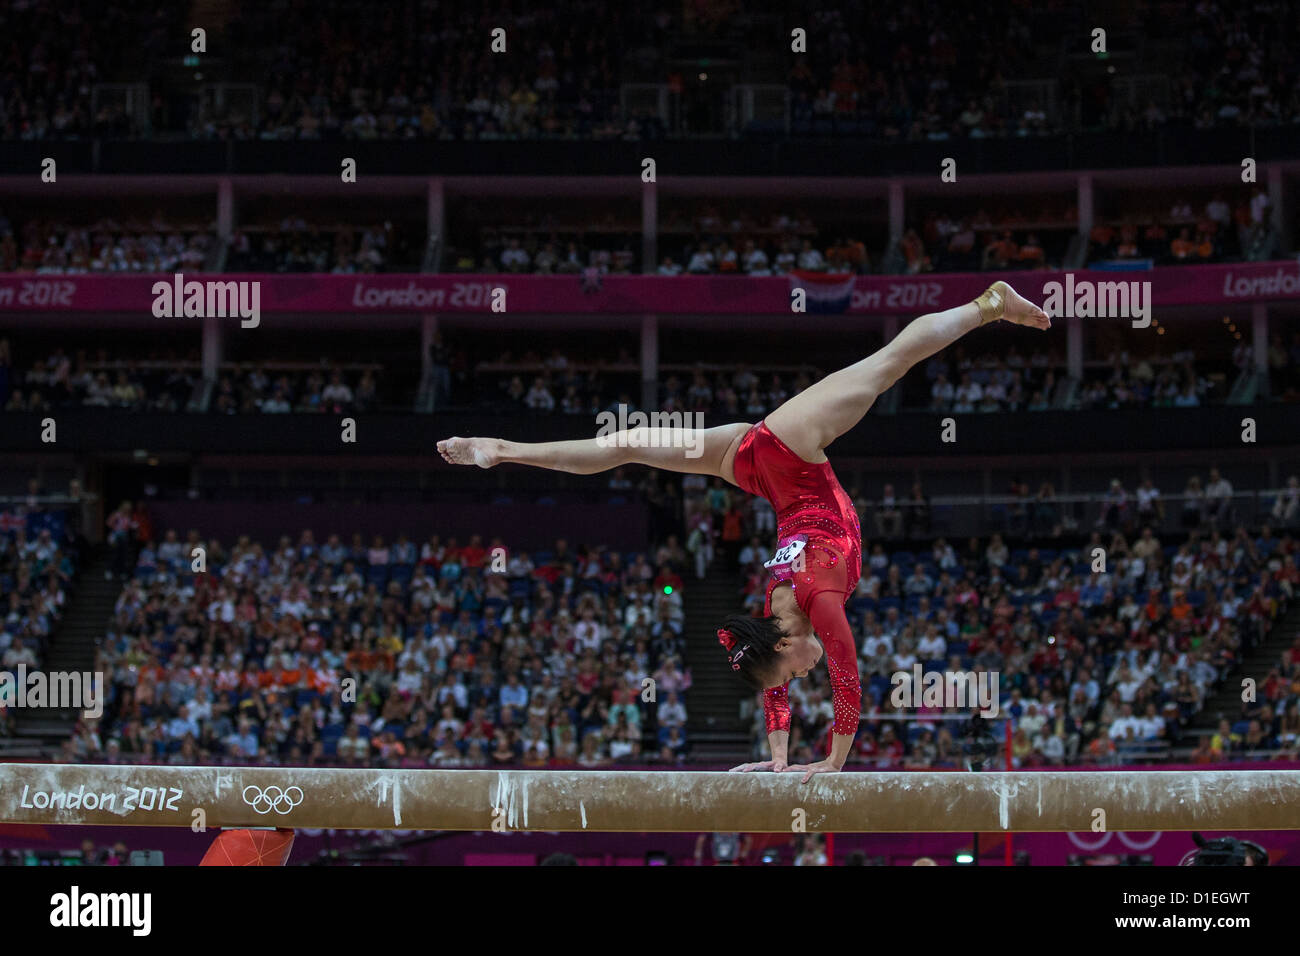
1124	838
272	798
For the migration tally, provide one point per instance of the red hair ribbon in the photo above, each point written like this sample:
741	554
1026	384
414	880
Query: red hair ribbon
725	638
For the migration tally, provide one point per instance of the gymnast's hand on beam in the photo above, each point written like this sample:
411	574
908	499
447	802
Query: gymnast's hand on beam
776	766
809	769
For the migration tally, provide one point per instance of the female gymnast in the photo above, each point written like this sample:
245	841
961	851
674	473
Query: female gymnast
818	558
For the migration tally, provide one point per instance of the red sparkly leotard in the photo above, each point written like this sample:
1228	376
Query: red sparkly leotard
819	552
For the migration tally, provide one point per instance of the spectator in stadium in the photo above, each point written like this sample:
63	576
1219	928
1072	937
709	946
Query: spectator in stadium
1150	509
1114	508
1286	506
889	516
539	397
122	530
917	512
1193	503
1218	498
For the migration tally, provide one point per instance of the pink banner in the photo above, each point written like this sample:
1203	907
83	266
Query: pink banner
1083	293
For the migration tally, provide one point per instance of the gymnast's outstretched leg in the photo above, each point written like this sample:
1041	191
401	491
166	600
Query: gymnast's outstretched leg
814	418
807	423
697	451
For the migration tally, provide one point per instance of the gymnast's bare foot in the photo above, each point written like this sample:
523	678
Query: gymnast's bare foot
1008	304
484	452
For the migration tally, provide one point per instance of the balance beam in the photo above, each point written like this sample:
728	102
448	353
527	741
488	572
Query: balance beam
648	801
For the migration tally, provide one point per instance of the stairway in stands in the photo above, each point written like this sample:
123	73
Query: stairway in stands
715	729
1226	701
41	732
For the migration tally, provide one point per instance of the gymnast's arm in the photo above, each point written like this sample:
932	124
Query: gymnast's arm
831	625
776	715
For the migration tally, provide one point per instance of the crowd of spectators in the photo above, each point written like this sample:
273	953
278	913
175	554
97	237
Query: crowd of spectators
91	378
926	74
294	245
710	238
39	558
923	71
1181	381
1008	381
95	380
561	252
1094	666
725	252
1269	719
153	245
1012	381
723	524
56	51
1221	230
1135	383
948	242
556	384
737	393
1203	507
416	71
954	381
707	239
700	240
158	244
1283	366
391	653
769	257
1234	71
477	655
268	388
